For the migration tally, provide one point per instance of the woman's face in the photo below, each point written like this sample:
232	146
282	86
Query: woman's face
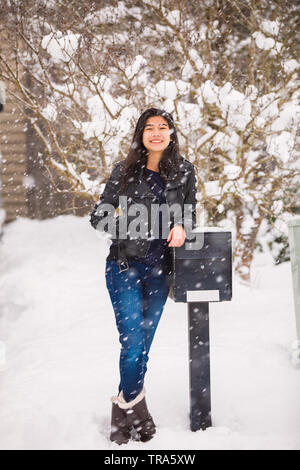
156	135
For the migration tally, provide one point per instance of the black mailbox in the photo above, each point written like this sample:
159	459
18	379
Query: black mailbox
202	273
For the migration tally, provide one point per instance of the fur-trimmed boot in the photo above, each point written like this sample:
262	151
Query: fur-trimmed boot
138	416
120	432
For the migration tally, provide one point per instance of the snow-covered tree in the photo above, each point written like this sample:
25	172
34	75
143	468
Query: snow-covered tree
226	70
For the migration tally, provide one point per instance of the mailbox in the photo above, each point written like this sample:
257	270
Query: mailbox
202	273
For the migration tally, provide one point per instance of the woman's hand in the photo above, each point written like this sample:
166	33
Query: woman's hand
177	236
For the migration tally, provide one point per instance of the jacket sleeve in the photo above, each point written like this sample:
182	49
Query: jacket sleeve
189	217
109	196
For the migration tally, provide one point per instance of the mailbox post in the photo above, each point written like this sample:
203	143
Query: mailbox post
202	274
294	238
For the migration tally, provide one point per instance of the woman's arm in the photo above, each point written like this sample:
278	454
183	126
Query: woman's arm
110	196
190	198
177	235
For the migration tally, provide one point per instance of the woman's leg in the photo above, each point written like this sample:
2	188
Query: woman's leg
155	294
125	289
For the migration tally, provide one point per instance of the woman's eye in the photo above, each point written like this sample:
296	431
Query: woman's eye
150	128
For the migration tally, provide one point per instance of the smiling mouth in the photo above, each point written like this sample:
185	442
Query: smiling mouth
156	141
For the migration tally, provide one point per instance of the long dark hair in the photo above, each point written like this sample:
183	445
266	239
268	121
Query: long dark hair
137	156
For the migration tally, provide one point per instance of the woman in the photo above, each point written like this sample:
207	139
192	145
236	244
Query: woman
139	268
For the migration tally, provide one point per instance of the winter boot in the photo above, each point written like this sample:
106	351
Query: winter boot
138	416
120	432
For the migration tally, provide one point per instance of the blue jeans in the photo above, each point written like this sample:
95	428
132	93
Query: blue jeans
138	296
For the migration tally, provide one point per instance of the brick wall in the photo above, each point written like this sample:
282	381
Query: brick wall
13	161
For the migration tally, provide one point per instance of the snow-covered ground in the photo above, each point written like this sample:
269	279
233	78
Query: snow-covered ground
62	351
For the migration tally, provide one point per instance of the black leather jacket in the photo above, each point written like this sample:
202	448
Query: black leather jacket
180	188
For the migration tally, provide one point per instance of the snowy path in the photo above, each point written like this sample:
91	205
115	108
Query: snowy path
62	352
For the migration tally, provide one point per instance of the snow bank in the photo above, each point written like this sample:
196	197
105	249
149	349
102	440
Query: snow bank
62	351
